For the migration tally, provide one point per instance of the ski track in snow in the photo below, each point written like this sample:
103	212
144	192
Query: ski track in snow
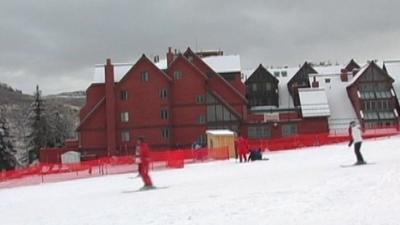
293	187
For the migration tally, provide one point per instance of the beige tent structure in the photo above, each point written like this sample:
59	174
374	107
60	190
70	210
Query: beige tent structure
221	138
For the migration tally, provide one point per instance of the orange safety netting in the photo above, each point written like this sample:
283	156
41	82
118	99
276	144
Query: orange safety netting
46	172
308	140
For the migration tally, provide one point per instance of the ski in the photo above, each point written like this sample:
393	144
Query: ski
355	165
146	189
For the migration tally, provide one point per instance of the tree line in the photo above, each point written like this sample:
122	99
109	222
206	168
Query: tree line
46	128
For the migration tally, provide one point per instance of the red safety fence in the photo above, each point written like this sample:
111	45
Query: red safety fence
46	172
308	140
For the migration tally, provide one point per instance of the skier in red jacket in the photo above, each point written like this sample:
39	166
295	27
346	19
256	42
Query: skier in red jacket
243	146
144	156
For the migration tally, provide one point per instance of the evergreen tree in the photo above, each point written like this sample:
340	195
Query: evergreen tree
39	128
7	152
59	130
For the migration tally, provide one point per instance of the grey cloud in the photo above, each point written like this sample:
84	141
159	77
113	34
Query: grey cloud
48	41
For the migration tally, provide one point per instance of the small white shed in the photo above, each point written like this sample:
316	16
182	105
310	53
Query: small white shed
71	157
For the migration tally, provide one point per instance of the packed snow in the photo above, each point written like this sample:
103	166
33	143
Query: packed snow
306	186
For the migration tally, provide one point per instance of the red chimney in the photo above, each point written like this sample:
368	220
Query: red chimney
110	108
343	75
170	56
315	83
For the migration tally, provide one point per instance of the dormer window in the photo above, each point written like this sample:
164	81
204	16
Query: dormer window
145	76
178	75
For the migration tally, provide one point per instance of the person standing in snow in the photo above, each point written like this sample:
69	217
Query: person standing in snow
356	138
243	146
144	155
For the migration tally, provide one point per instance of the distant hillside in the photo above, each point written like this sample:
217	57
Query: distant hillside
8	95
74	99
15	107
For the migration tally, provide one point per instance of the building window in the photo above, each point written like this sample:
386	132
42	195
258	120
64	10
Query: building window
124	95
164	114
201	99
327	80
254	86
268	86
124	116
289	130
386	115
145	76
383	94
201	119
367	106
178	75
276	73
367	95
284	73
370	115
385	105
125	136
164	93
219	113
259	132
165	133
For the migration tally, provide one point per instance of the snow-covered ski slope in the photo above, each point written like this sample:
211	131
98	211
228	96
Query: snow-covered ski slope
293	188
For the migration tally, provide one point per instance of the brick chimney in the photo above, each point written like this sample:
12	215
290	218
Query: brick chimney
110	108
315	83
343	75
170	56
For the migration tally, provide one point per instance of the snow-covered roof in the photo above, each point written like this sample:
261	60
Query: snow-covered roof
358	74
393	69
314	102
120	69
223	63
247	73
335	91
334	69
285	74
341	109
220	132
220	64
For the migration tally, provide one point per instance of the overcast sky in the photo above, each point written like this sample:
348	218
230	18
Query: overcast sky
57	43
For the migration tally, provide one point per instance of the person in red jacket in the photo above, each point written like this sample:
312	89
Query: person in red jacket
243	146
144	155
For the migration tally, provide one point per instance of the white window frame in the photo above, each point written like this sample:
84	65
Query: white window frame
178	75
145	76
125	136
125	117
